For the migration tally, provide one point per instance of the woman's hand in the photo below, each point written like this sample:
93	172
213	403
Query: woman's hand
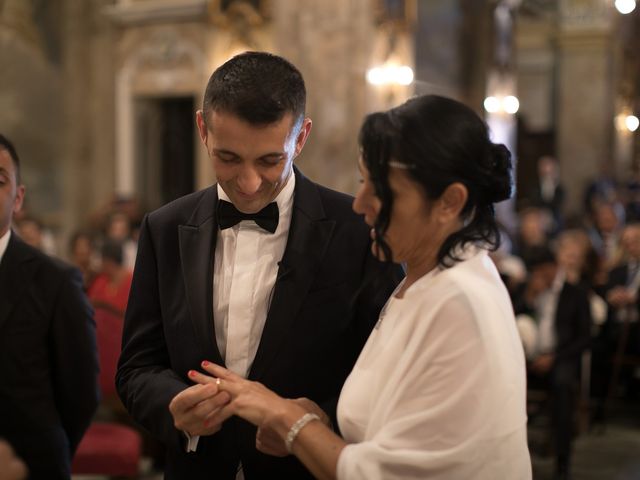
254	402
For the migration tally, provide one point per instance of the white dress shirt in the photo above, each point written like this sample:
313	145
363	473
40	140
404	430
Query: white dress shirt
245	269
244	274
439	390
546	306
4	243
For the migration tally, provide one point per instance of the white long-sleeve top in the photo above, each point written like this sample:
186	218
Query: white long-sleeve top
439	389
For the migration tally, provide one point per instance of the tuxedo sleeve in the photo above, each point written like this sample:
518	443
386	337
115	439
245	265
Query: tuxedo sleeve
145	381
74	358
378	281
581	328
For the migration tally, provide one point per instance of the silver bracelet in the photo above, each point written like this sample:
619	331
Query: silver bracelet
296	427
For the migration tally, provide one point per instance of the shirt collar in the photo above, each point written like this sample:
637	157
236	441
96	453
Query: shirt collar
284	199
4	243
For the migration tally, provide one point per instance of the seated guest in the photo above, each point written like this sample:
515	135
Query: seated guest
81	255
562	315
439	390
110	289
624	302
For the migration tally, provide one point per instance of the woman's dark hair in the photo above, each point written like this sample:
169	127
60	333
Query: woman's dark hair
439	141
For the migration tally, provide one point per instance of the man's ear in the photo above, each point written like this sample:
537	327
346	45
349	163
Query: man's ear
453	200
17	202
303	135
202	126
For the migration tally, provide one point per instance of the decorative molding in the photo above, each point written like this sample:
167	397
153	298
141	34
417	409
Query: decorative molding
585	14
157	11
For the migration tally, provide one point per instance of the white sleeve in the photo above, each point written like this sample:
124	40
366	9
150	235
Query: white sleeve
432	417
192	442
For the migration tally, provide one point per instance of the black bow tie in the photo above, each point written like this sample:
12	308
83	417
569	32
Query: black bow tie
229	215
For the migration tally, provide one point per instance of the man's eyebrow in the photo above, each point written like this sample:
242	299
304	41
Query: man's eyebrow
225	152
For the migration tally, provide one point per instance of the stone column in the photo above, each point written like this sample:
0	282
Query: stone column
584	94
331	43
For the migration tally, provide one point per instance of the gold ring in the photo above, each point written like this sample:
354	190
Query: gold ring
218	381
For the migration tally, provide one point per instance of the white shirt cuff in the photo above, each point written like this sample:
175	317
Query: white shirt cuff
192	442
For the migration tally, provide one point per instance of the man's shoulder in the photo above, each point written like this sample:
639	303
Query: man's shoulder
181	210
337	205
50	267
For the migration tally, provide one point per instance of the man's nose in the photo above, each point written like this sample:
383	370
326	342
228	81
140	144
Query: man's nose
249	181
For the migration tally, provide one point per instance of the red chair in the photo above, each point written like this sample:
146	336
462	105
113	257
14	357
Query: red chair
108	448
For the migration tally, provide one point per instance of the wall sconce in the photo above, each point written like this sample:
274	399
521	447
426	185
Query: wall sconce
625	122
625	6
390	74
508	104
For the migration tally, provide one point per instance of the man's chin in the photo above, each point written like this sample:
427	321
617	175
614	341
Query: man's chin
253	206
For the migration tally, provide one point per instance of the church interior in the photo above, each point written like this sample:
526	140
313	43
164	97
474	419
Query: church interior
99	97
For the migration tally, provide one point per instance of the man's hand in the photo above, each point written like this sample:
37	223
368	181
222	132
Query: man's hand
543	363
620	297
267	441
11	467
191	407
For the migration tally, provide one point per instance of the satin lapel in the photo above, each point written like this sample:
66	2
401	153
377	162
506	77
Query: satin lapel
16	270
197	247
309	237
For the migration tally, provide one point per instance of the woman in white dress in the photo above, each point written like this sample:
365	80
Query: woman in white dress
438	392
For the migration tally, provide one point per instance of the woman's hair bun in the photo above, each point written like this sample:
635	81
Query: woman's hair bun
500	184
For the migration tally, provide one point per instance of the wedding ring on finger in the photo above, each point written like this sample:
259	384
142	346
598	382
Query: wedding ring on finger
218	382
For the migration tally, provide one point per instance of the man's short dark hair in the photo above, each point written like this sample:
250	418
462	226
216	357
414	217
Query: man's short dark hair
259	87
5	144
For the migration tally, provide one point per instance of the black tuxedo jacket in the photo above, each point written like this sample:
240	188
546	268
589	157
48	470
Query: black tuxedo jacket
313	333
572	322
48	359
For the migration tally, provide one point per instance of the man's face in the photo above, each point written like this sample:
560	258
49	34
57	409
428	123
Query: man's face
11	194
252	163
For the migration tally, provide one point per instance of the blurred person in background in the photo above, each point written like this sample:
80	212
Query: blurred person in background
34	233
562	317
82	256
110	288
624	313
534	229
607	224
119	230
549	194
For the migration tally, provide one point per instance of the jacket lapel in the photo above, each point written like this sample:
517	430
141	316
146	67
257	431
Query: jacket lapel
309	237
197	246
16	270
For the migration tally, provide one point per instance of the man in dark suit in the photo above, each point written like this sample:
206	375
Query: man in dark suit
48	357
620	335
260	272
563	317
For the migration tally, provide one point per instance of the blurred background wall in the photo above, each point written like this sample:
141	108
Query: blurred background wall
99	95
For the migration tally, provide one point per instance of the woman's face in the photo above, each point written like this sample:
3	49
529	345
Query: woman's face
411	219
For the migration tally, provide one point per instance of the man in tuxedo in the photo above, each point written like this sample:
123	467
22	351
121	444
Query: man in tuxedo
266	272
48	356
563	318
